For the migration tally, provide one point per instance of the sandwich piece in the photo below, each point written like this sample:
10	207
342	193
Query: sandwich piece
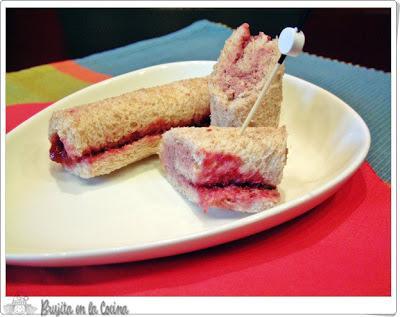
239	76
100	137
217	167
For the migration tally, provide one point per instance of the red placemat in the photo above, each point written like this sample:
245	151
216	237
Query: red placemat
341	247
17	114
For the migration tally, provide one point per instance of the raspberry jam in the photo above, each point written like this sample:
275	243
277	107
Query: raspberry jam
59	154
222	183
224	169
57	150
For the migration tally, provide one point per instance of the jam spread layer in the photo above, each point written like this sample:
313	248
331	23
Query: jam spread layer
221	183
59	154
224	169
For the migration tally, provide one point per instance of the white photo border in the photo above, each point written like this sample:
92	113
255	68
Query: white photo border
222	305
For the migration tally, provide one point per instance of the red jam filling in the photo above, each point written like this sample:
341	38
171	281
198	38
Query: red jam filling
225	169
221	181
59	154
57	150
222	184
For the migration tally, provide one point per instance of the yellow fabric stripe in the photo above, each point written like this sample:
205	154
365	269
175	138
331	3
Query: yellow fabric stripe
40	84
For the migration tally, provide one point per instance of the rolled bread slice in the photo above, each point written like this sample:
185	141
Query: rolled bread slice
218	167
239	76
100	137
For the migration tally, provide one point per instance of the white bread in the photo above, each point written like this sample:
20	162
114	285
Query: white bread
238	78
100	137
207	165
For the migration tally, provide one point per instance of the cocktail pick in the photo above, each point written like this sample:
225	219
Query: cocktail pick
290	42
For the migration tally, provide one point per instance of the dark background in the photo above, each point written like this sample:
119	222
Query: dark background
41	36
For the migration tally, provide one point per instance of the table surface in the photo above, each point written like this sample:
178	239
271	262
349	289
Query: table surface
342	247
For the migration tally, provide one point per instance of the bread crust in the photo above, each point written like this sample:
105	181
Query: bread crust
95	124
92	127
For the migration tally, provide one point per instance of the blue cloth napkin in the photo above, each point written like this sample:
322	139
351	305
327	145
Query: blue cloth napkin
366	90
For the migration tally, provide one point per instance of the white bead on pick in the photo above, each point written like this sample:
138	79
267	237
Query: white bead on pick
290	42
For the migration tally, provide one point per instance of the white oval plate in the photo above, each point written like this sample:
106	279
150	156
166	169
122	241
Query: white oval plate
57	219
